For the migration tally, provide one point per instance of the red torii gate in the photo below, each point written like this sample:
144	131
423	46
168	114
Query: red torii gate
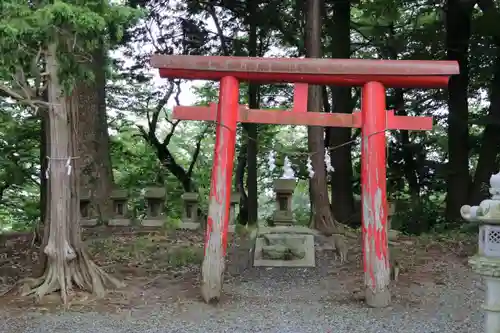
373	75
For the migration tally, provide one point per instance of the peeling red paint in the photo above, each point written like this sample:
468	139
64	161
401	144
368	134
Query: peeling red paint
220	190
302	66
294	117
391	81
373	182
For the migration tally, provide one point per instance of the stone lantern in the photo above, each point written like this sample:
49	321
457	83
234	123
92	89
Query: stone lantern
284	245
155	204
119	200
190	219
284	187
487	261
87	211
235	200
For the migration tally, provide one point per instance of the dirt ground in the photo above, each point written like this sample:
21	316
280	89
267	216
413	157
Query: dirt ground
163	267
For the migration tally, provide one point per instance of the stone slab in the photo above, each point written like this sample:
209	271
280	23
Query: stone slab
88	222
393	235
282	216
153	223
308	261
119	222
291	229
189	225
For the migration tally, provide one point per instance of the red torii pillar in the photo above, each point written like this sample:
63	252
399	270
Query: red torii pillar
373	75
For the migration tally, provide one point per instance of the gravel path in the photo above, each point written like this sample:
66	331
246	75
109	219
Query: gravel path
323	299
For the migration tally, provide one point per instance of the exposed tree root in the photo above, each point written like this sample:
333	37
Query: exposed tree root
63	276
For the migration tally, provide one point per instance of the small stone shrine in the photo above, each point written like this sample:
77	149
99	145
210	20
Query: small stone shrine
190	219
283	214
155	205
119	200
235	200
88	216
284	245
486	262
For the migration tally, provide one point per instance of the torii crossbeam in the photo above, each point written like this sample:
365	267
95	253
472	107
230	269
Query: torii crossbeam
373	75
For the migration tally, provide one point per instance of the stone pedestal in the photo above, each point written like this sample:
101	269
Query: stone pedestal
190	219
119	200
235	200
283	215
489	269
88	216
284	246
155	205
487	262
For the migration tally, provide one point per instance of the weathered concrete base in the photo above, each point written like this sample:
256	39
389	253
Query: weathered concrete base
295	229
119	222
309	259
189	225
380	299
393	235
152	223
88	222
492	305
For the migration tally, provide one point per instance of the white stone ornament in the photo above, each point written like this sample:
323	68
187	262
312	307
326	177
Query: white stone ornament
309	166
495	186
328	161
487	261
488	210
288	172
271	161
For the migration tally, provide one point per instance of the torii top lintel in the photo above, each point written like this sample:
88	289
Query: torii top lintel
340	72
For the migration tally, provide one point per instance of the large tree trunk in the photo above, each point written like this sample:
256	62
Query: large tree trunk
340	153
41	239
68	264
458	28
490	140
322	214
251	129
96	172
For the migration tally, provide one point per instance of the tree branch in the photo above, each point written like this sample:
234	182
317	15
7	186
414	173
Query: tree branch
197	150
220	32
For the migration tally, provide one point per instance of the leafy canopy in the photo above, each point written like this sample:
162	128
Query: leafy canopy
79	27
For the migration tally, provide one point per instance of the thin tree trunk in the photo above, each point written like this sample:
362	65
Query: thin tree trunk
251	130
323	217
415	225
239	184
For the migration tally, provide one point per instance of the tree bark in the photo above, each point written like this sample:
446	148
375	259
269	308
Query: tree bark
68	264
490	140
239	184
340	153
96	171
252	129
458	28
323	217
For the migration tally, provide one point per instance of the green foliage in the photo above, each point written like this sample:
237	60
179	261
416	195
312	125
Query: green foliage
78	27
387	29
